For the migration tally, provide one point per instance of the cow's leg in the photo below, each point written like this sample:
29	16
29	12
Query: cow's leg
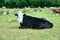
28	24
21	25
24	25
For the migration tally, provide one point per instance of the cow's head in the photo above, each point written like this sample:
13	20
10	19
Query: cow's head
19	14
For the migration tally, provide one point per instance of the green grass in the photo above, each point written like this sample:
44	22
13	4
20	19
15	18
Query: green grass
11	31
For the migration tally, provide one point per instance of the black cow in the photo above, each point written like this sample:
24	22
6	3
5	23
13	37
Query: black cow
33	22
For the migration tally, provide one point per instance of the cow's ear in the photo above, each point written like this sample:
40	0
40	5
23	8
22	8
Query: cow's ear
16	15
24	14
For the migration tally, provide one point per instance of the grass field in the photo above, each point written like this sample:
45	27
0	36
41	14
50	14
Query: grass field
11	31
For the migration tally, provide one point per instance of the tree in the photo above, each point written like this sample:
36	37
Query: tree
2	3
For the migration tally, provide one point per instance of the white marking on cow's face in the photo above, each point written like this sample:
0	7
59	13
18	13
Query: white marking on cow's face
20	17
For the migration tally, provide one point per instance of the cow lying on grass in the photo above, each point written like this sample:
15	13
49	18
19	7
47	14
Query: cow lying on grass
56	11
27	21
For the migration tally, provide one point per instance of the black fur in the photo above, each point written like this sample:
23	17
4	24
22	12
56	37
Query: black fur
35	23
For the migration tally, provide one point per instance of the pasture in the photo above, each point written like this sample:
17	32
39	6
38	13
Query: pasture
11	31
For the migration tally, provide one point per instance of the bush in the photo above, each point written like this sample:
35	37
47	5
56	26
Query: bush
30	3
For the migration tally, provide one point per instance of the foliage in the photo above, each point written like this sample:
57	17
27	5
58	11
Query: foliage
30	3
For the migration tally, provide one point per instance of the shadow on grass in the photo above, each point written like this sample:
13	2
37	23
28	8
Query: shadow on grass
34	28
